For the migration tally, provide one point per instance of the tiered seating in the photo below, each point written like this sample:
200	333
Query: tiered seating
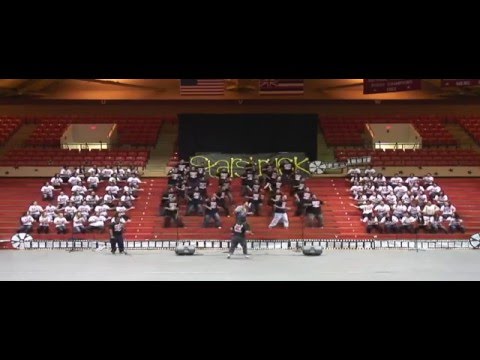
472	127
131	130
347	131
8	127
47	133
342	131
19	194
173	161
421	157
433	132
471	223
60	157
194	230
463	192
141	132
341	220
133	134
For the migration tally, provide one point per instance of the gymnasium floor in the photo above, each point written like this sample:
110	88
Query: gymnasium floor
212	265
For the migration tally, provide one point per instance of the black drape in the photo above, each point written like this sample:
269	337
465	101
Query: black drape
247	133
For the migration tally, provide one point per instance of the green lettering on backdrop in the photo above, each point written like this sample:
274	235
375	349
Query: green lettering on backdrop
297	164
278	162
234	164
260	164
201	161
218	164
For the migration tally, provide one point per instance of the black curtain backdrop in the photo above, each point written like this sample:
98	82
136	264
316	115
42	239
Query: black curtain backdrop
247	133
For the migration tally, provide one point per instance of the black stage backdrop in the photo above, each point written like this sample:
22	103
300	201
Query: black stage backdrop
247	133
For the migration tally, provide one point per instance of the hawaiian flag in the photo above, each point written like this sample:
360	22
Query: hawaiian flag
202	86
281	87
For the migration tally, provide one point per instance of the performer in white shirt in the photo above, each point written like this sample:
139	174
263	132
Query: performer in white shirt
61	224
47	191
26	223
44	223
35	210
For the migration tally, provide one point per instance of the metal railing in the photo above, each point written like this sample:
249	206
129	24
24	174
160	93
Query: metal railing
396	146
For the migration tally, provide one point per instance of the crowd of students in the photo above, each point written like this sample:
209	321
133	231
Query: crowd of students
73	198
398	205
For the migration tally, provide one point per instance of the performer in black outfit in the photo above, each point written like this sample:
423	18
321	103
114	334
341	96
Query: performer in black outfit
239	229
172	214
116	235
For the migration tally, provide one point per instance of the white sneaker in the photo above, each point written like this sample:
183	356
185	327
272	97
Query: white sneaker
247	256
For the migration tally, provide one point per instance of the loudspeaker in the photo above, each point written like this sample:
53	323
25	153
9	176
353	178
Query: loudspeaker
311	250
185	250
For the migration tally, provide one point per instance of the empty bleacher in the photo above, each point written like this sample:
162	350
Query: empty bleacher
8	127
141	131
348	131
472	127
136	137
61	157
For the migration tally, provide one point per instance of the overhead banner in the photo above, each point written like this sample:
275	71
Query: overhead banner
377	86
235	163
459	82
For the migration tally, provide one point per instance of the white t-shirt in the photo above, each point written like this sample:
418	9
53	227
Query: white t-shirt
62	199
27	220
78	221
35	209
95	220
47	190
44	220
60	221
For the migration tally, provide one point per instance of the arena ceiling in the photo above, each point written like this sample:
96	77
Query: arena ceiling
246	89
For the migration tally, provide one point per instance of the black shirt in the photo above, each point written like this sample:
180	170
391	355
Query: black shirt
117	229
315	208
202	185
281	204
171	207
240	229
213	206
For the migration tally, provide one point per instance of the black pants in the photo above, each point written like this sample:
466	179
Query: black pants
117	240
312	217
173	218
238	240
25	229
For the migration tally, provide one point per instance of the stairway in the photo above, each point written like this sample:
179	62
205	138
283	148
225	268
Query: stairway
160	155
19	138
463	139
324	153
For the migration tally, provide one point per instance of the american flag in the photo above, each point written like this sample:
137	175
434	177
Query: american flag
281	87
202	86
